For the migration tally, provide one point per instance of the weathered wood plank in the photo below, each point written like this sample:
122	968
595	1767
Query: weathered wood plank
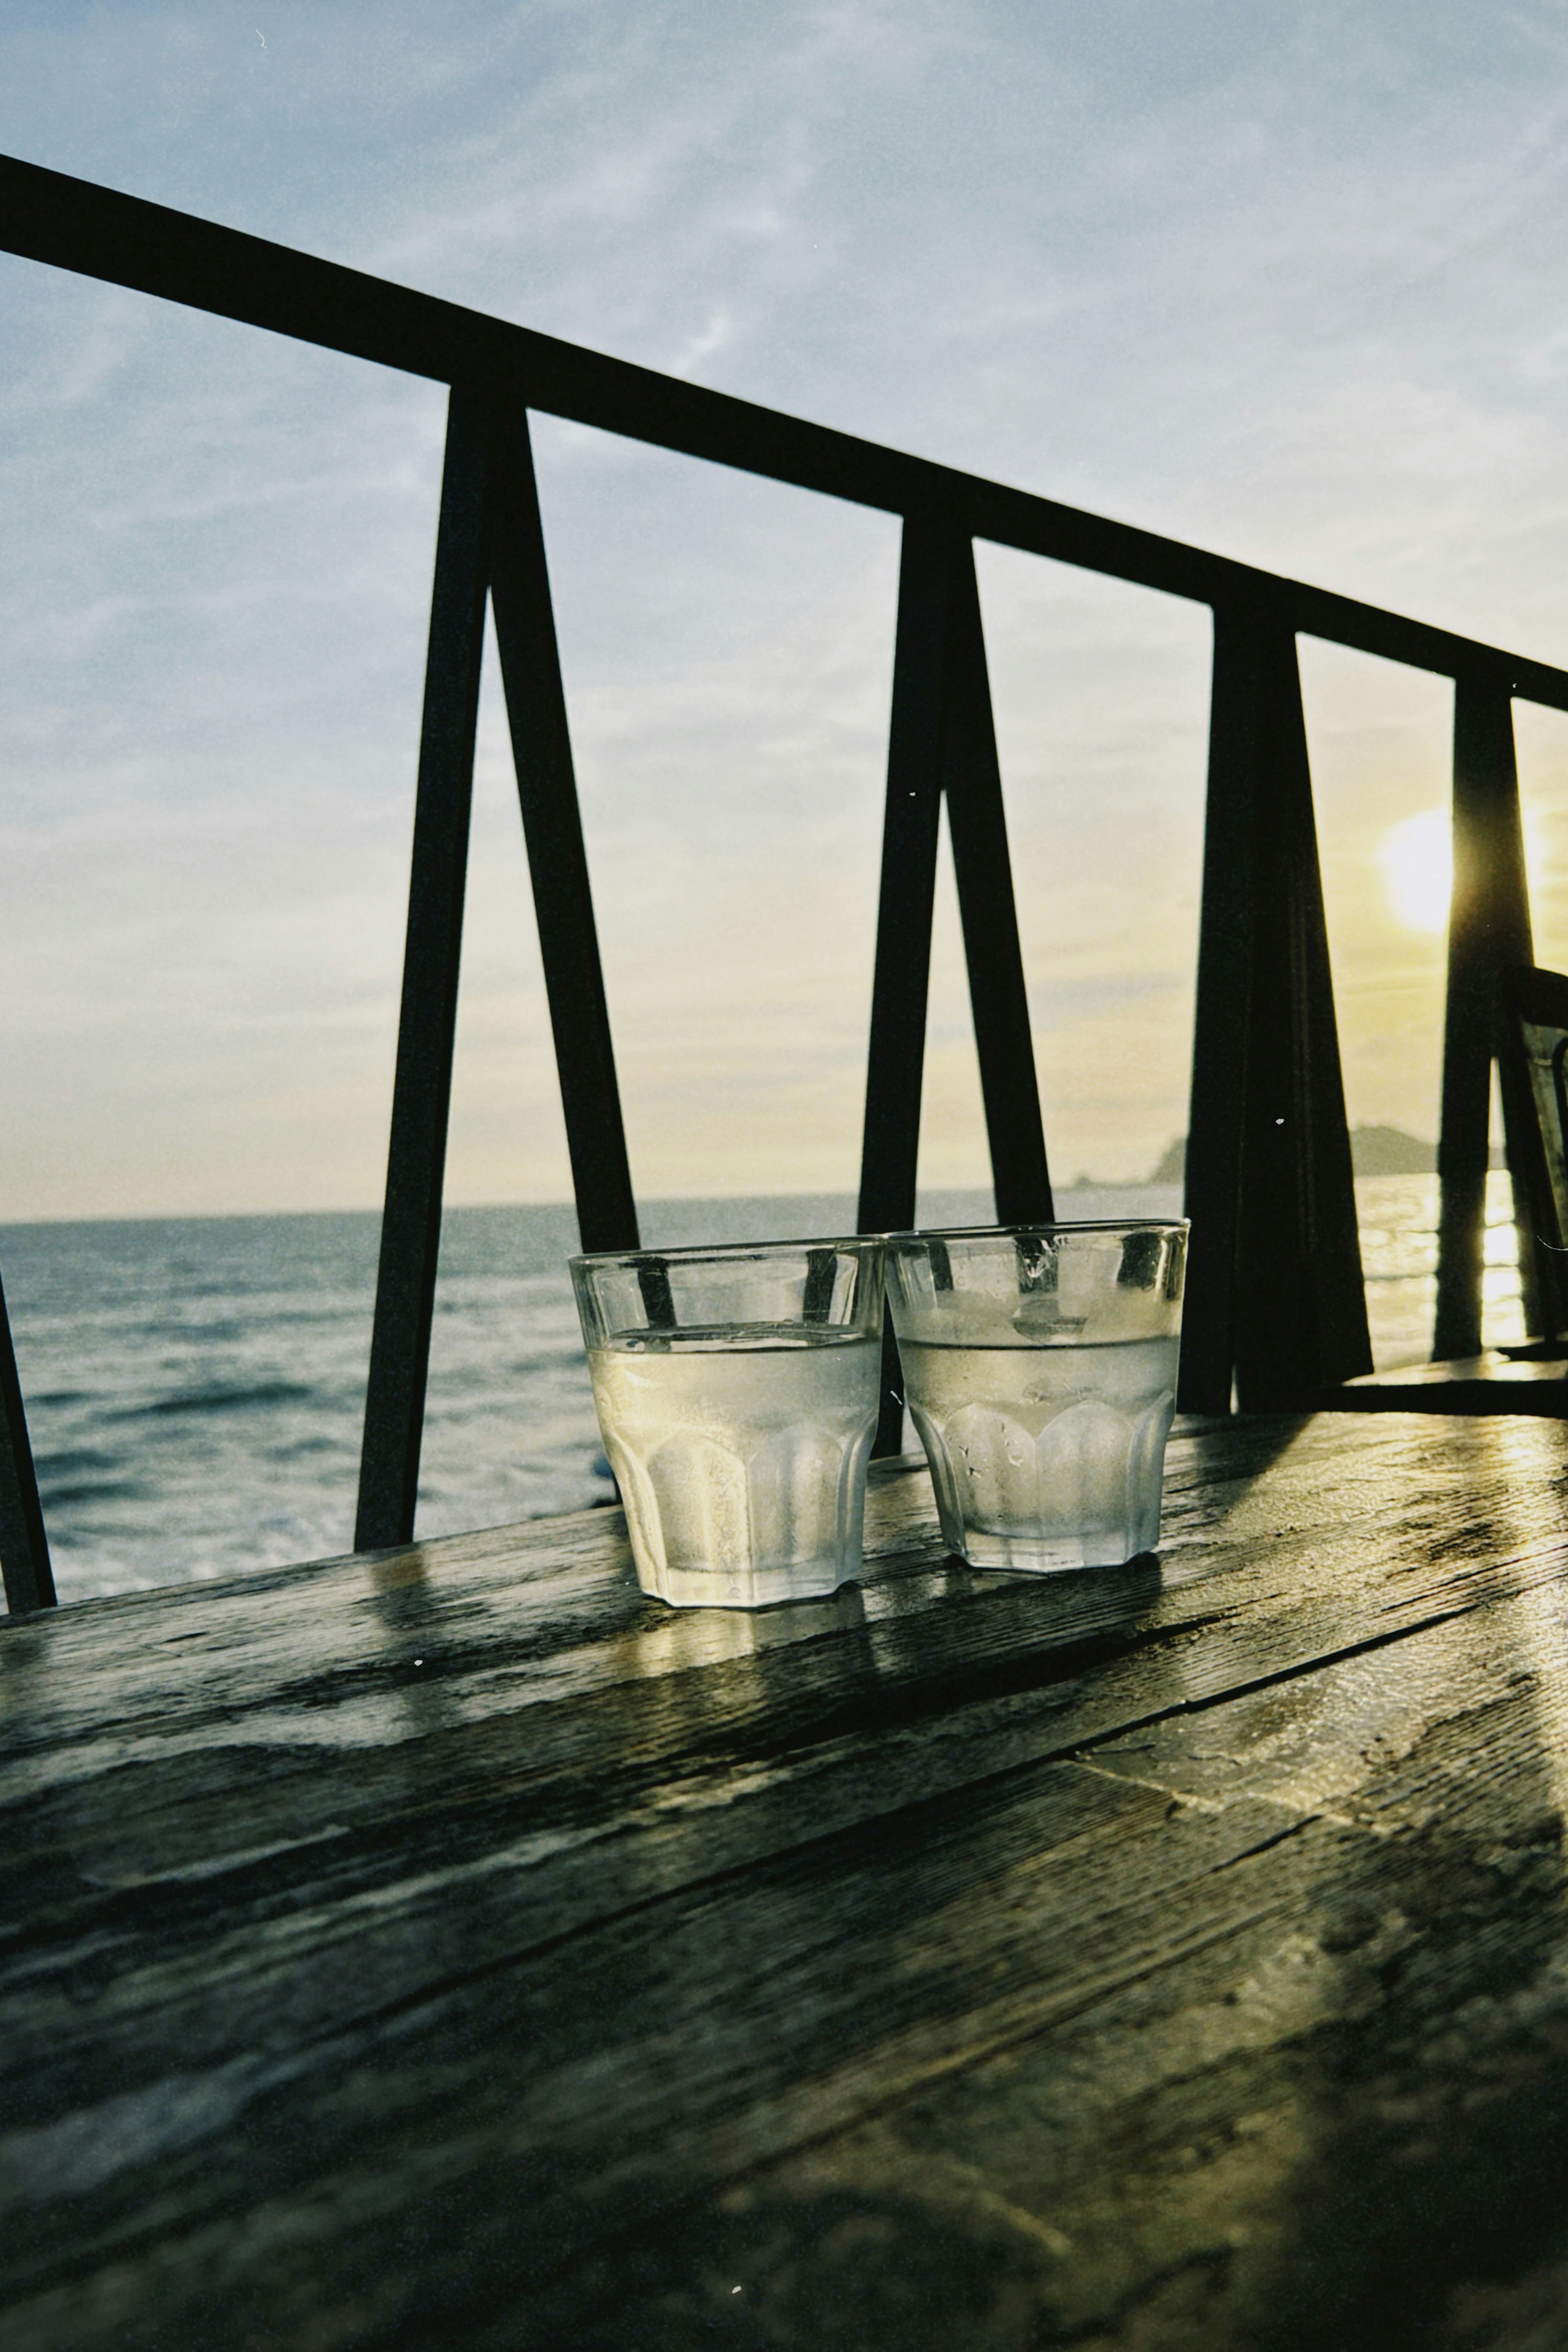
971	1961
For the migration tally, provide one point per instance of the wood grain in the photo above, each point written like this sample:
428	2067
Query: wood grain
450	1946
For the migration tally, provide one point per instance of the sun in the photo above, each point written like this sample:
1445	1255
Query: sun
1417	862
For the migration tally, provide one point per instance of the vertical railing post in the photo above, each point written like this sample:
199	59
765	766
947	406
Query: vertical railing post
896	1059
23	1544
1488	930
557	866
1300	1302
411	1223
1222	1028
1275	1299
977	826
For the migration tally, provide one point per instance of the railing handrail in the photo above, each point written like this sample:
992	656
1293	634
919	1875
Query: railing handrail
97	232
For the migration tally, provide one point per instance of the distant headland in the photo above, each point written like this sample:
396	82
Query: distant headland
1374	1151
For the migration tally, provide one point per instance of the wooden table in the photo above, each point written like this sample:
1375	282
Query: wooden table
448	1948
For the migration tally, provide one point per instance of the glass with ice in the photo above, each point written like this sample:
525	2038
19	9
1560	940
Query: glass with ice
737	1390
1039	1364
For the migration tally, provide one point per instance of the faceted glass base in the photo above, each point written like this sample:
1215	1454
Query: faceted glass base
747	1588
1049	1555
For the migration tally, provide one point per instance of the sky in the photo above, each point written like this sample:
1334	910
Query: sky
1284	280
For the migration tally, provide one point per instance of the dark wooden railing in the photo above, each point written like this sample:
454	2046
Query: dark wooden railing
1275	1311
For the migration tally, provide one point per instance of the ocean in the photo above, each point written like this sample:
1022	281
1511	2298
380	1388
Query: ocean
195	1385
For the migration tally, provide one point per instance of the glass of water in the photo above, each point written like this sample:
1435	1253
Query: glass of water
1039	1363
737	1391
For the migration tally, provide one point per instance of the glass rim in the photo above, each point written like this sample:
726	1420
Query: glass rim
702	1253
1039	1226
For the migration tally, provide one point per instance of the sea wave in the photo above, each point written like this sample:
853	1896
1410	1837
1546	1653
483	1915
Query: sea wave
216	1399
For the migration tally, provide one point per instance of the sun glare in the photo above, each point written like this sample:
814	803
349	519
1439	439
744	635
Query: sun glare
1417	862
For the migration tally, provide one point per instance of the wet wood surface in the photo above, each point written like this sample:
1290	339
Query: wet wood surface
451	1948
1490	1383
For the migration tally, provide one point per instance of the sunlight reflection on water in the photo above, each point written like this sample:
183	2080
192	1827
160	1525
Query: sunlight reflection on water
1398	1218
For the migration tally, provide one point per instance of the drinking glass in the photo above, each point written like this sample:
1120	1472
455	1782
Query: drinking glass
737	1388
1039	1364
